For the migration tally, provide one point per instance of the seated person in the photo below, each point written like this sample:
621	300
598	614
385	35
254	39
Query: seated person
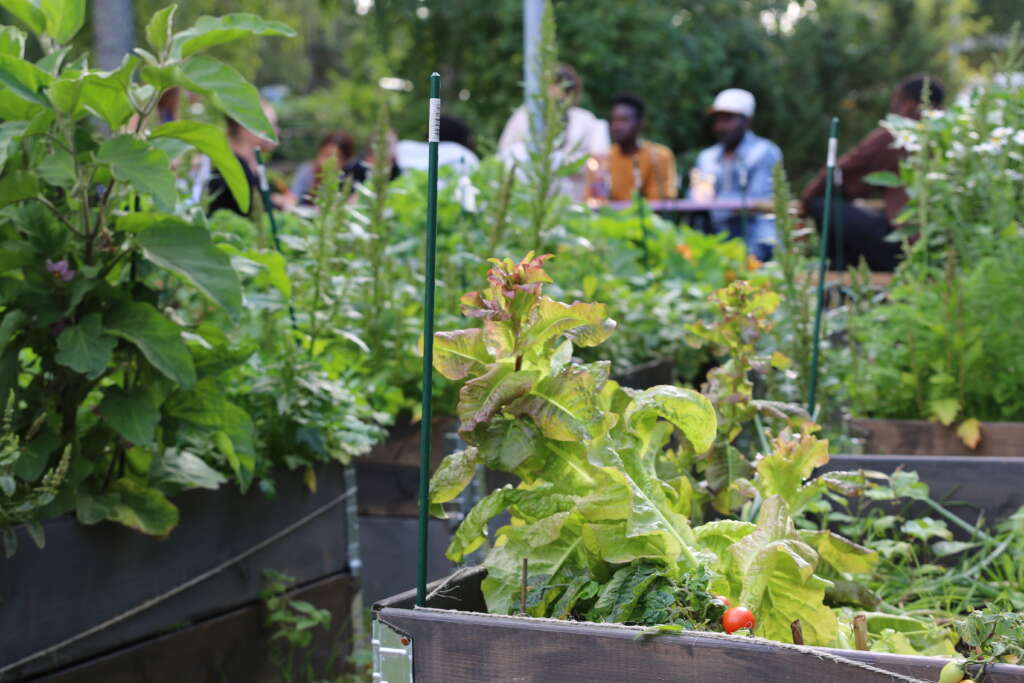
739	166
584	135
864	232
455	148
360	170
634	162
338	144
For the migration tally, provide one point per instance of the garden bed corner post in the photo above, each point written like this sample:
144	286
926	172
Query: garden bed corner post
433	137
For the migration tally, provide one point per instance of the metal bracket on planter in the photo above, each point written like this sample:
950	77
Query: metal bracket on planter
392	654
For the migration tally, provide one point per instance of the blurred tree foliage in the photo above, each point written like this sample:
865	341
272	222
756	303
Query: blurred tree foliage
804	59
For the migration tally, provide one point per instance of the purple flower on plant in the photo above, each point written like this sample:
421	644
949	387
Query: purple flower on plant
60	270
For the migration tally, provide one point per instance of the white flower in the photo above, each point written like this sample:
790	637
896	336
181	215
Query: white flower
986	148
1014	175
935	175
1016	156
995	117
465	194
907	140
973	134
933	114
956	150
1018	137
1000	136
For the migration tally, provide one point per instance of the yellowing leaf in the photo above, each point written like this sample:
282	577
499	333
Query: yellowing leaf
969	432
944	409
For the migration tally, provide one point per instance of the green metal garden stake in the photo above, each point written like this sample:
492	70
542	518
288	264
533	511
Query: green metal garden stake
268	206
433	137
830	165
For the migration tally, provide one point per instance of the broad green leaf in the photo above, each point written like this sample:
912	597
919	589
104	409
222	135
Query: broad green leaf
24	79
274	272
482	398
142	166
14	108
210	31
586	324
504	444
719	535
12	41
16	254
85	348
65	94
230	92
564	406
10	323
453	475
842	554
689	411
211	141
459	352
132	414
945	409
784	471
779	584
28	13
550	545
883	179
179	466
105	94
64	18
10	132
946	548
609	542
141	508
186	250
621	595
926	528
156	337
160	28
58	168
472	531
17	186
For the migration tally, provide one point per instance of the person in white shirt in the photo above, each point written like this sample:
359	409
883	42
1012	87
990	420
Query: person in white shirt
585	134
455	148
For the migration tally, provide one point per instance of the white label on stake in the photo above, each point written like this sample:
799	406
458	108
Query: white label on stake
832	142
434	125
262	172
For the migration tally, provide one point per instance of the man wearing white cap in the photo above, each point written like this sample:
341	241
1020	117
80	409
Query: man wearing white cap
739	167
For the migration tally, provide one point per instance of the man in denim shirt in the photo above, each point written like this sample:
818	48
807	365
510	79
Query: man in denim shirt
740	167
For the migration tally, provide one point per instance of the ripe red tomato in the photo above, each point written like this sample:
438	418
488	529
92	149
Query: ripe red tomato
736	618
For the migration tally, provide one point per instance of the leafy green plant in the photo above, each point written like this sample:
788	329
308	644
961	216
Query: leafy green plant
21	501
292	624
601	514
97	338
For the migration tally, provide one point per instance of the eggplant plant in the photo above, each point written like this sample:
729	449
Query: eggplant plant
92	335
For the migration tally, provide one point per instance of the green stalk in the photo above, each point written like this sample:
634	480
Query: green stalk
428	337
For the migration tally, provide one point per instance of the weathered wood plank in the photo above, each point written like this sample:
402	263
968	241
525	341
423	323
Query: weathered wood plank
921	437
454	647
231	647
967	485
88	574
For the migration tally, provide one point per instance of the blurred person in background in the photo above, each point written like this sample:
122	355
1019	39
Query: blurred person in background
585	135
865	231
361	169
632	161
455	148
337	144
244	143
739	166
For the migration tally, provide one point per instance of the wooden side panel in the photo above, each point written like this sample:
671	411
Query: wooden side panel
967	485
452	647
88	574
233	647
921	437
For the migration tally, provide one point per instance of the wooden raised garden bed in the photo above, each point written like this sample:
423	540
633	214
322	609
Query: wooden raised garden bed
87	575
921	437
455	641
